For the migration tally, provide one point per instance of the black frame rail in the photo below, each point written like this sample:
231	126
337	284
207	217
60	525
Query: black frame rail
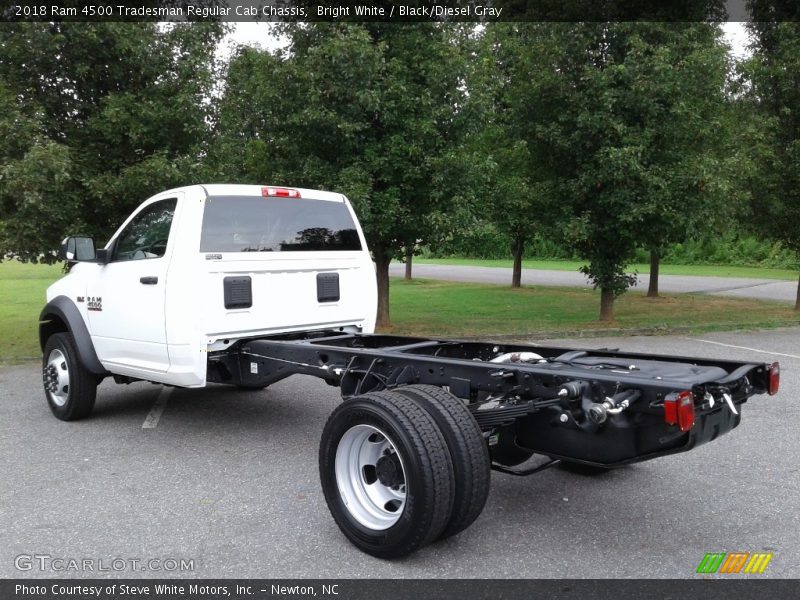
545	395
360	363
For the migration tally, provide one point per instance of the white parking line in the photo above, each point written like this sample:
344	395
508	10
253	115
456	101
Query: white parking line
744	348
151	421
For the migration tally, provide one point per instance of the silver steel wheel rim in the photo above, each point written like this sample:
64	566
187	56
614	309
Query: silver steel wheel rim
56	377
375	502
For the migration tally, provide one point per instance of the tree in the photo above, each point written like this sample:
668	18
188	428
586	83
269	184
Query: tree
368	109
678	76
509	92
774	75
114	113
625	136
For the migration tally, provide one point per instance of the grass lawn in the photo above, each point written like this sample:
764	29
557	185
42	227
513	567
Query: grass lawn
567	265
22	288
423	307
426	307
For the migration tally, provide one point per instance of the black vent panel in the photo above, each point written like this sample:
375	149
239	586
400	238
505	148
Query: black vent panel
238	292
327	287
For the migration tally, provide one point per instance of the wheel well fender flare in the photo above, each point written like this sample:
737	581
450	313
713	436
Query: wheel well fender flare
61	314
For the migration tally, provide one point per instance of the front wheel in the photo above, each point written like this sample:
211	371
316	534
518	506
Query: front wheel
69	387
386	474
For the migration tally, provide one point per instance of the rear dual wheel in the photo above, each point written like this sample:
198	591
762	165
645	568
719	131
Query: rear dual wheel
468	452
402	469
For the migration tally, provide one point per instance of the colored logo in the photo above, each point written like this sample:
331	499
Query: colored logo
734	562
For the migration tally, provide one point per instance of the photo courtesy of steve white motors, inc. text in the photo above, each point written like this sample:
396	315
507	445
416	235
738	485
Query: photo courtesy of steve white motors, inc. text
170	589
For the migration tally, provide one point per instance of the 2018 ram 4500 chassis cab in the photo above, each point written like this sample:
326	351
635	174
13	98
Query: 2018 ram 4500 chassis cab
247	285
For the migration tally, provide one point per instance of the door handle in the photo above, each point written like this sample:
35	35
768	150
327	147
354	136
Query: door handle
148	280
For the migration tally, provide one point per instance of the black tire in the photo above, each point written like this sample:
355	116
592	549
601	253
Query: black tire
425	466
468	452
69	387
577	468
506	452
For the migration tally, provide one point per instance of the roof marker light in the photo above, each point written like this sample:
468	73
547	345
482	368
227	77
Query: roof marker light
279	192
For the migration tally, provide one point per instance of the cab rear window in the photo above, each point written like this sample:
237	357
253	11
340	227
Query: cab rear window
256	224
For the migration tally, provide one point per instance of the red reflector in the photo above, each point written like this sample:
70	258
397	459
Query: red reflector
679	410
279	192
671	411
774	378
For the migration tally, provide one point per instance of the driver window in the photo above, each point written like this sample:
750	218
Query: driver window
147	234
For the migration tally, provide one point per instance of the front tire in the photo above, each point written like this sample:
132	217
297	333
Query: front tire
69	387
386	474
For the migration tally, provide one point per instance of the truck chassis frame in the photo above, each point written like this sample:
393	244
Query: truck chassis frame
550	404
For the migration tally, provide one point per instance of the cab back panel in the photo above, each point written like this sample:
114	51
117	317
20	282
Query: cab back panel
278	264
284	294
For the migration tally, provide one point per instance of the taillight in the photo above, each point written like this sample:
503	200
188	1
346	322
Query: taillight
679	410
774	378
279	192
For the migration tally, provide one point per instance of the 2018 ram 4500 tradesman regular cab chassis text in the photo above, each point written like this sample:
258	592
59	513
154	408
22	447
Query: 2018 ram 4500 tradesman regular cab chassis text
247	285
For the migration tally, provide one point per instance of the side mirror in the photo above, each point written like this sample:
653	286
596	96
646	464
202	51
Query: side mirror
78	249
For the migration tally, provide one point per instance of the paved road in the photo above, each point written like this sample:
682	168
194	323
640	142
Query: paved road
762	289
229	479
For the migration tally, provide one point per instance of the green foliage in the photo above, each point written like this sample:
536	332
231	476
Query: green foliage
38	200
774	95
512	110
102	115
481	240
368	109
621	118
729	249
591	140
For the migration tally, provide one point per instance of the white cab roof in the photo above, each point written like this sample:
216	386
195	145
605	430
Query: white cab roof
219	189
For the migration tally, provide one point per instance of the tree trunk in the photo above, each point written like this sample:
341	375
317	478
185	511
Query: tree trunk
516	276
382	260
652	290
606	305
797	302
409	259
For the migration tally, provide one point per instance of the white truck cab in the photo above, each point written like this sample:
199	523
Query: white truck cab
197	268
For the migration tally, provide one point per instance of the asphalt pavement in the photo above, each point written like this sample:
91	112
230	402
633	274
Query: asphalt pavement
228	480
762	289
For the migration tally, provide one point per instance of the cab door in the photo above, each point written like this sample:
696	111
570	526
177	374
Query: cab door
126	300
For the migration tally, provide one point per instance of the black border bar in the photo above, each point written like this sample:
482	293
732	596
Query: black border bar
743	588
400	11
